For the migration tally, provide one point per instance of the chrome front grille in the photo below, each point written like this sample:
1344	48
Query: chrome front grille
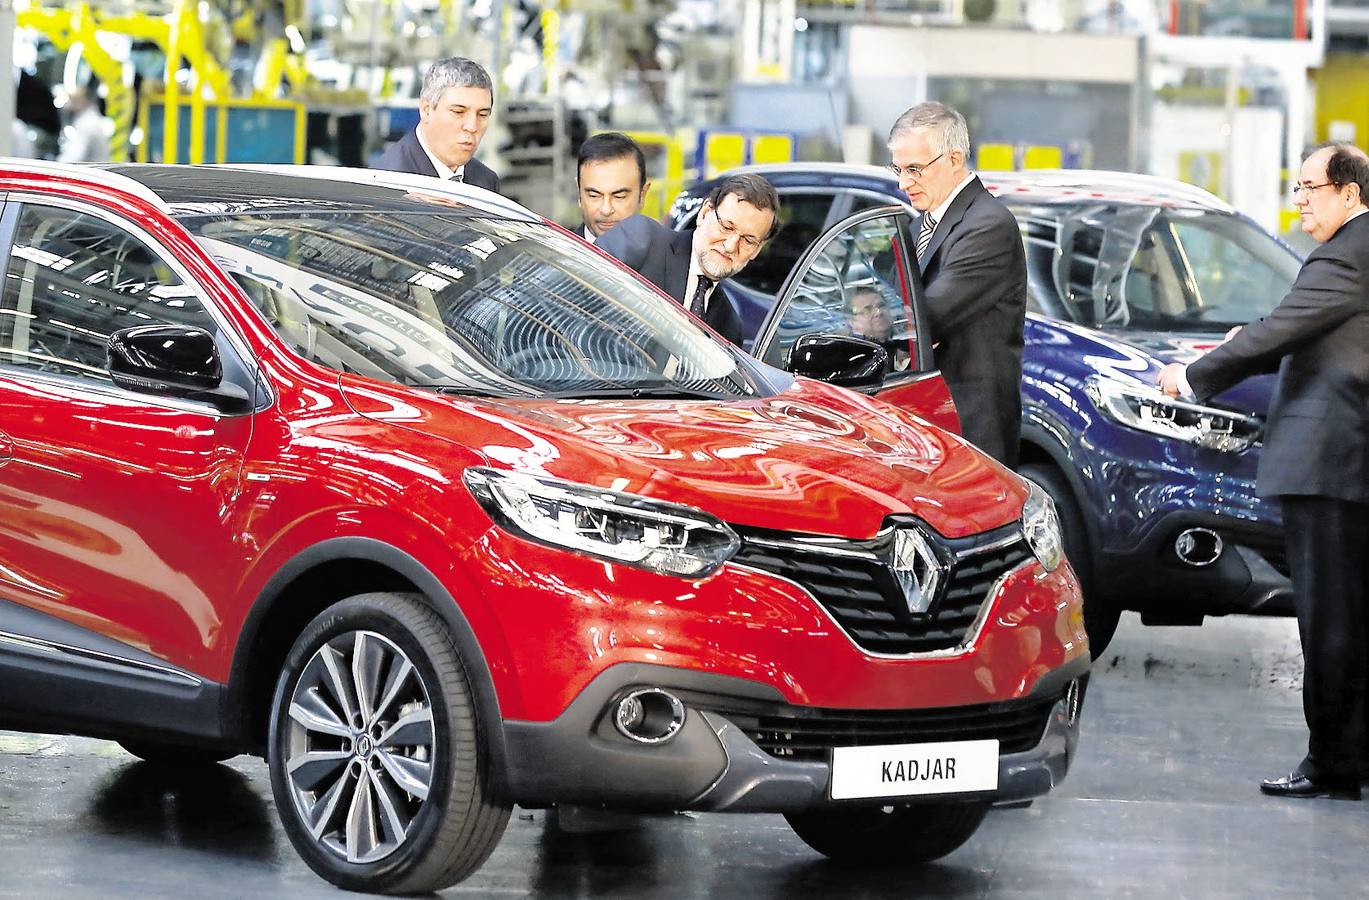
855	584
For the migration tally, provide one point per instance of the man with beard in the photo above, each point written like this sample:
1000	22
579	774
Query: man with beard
733	224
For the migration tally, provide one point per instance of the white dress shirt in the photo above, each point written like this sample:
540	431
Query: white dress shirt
438	165
692	283
940	212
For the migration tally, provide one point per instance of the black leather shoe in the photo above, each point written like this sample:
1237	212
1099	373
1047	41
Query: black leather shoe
1307	787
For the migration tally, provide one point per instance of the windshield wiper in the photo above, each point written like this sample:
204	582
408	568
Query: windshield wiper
654	392
469	390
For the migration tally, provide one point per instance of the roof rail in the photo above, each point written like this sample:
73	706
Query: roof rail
1155	184
93	173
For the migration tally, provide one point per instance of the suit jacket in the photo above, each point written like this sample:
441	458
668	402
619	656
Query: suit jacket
407	155
1317	436
974	276
661	256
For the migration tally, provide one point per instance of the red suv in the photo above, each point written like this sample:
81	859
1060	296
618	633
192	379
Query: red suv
439	510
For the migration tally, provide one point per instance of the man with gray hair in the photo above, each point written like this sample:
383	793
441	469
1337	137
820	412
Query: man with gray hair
974	275
454	108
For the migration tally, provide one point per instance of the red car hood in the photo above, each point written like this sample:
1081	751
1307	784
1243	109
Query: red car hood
813	459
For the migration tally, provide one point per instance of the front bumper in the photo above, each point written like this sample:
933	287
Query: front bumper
716	764
1248	576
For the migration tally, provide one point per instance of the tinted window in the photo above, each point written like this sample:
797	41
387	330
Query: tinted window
464	303
853	286
73	280
1138	267
802	217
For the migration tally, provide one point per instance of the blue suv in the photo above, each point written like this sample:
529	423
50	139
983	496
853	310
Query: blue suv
1126	273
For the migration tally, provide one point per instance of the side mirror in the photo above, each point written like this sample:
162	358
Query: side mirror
173	361
839	359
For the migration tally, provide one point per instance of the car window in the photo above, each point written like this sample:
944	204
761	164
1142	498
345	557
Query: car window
861	201
853	285
72	280
464	303
1136	267
802	220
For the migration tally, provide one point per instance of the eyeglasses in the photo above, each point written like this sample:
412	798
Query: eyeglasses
913	172
749	241
1309	188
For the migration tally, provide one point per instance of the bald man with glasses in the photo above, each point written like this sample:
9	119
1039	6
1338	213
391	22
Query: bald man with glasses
733	224
974	274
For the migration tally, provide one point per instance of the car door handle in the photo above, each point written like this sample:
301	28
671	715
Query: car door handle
6	448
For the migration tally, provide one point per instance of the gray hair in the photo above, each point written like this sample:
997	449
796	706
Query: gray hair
454	71
946	127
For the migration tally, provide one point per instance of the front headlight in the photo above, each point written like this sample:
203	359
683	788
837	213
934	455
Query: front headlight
1041	528
622	528
1148	409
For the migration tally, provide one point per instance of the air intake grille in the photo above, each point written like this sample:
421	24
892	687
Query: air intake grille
809	734
855	584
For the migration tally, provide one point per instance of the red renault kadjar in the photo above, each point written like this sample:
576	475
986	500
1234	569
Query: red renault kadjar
440	510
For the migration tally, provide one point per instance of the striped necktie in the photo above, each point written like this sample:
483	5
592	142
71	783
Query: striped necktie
924	237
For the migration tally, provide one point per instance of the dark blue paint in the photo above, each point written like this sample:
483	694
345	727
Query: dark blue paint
1136	490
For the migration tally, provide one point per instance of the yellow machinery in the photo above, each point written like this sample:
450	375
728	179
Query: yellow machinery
75	28
181	35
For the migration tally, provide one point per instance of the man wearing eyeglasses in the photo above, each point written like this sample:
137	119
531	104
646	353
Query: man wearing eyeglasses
974	275
1316	460
733	223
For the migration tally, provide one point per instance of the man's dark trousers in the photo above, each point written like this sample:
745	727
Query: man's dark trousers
1329	580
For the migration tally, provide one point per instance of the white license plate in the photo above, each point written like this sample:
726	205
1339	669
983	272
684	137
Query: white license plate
902	770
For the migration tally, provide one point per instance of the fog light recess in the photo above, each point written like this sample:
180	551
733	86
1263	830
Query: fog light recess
649	716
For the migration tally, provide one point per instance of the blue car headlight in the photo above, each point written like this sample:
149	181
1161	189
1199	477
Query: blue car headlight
1147	409
1041	528
623	528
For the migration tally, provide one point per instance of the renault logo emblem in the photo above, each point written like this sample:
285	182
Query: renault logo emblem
917	568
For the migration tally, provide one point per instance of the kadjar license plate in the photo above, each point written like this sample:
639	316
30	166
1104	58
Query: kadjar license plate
903	770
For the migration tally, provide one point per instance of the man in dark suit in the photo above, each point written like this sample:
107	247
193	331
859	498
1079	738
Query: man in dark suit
1316	459
733	223
974	275
610	175
454	107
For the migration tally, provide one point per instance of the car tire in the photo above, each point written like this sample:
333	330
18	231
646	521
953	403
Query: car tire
1100	615
889	835
178	755
378	758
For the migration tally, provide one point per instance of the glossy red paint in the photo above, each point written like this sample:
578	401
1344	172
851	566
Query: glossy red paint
161	527
591	615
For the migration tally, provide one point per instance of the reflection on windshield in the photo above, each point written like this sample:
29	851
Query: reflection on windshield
1146	268
465	304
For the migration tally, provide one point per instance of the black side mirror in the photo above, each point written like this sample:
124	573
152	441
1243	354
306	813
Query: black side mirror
170	360
839	359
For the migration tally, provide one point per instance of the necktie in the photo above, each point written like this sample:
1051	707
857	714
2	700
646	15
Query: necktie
701	288
458	178
924	237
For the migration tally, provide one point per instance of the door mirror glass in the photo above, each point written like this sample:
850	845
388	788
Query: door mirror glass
839	359
164	359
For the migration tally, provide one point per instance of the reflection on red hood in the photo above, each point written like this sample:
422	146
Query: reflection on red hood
814	459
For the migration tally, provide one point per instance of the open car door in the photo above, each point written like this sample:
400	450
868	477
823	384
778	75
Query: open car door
859	280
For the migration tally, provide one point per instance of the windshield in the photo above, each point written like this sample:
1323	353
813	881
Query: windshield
1129	267
465	304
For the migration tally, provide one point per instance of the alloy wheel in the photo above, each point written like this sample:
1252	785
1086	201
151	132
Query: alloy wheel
360	746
